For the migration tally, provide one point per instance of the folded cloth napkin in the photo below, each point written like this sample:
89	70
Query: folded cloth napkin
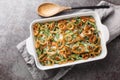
109	17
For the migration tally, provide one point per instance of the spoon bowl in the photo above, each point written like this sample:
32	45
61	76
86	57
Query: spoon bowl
50	9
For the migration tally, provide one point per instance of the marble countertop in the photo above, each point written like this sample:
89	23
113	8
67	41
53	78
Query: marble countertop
15	17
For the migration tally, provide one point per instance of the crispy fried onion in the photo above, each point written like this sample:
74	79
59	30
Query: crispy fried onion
91	54
62	25
76	37
51	50
97	50
73	20
68	38
85	55
87	30
94	39
51	25
92	20
36	29
42	39
49	62
36	26
40	57
60	44
35	32
84	19
70	26
78	49
45	60
65	51
37	44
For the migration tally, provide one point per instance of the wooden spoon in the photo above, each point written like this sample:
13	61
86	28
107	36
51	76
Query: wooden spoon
50	9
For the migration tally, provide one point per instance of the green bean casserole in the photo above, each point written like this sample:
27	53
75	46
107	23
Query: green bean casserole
67	40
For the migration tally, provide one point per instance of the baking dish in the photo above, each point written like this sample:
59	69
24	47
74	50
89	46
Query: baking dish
104	35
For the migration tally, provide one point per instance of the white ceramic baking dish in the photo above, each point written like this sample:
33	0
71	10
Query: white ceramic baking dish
104	35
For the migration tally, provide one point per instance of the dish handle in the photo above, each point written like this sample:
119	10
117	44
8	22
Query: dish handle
29	46
105	32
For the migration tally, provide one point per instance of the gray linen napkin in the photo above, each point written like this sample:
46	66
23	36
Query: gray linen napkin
109	17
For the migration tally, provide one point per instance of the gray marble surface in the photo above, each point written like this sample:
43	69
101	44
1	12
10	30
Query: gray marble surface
15	17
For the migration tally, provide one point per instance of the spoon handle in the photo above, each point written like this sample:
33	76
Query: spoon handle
90	7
